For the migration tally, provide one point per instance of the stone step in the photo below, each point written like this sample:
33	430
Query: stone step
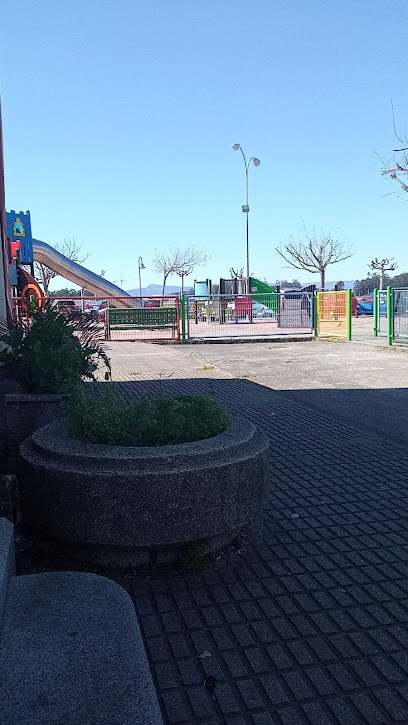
71	651
7	562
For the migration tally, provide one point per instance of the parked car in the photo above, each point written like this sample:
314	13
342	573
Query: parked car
365	305
65	306
260	310
92	311
102	312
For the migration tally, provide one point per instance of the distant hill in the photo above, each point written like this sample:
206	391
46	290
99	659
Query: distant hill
155	289
348	284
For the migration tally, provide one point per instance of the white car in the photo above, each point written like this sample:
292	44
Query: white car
260	310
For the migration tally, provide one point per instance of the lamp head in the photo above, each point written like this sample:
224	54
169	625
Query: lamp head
236	146
256	162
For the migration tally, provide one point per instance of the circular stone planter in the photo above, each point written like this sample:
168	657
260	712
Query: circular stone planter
121	506
26	412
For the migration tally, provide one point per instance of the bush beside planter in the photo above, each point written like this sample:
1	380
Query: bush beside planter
48	354
120	506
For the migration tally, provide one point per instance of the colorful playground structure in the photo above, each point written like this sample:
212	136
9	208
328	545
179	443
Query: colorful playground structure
239	311
260	310
24	250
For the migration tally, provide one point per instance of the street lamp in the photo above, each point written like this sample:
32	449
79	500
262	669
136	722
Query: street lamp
245	208
141	266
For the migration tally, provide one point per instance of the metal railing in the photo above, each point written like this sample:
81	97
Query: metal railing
120	318
382	312
400	315
226	316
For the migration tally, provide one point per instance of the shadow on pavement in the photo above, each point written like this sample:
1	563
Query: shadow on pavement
380	411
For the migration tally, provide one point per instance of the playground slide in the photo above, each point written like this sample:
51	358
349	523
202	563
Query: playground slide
79	275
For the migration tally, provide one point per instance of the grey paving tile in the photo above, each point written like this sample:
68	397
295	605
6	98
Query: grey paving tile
309	625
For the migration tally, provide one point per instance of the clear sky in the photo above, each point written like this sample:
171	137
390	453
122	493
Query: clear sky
119	117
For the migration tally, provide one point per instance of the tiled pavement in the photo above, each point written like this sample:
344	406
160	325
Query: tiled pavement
309	623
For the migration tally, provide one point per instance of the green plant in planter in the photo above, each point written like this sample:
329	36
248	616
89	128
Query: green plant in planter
105	418
52	352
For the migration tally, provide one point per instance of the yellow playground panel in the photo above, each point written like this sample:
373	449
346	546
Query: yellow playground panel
333	314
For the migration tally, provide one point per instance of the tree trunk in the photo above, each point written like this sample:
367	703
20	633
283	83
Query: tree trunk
164	284
322	278
45	284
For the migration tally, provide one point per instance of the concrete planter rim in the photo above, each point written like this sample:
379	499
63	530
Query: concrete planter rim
56	438
113	501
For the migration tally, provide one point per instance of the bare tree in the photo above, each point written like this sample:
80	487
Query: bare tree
383	265
237	273
315	252
70	249
178	261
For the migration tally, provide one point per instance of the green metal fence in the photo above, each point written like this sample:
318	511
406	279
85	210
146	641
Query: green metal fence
399	328
142	322
383	314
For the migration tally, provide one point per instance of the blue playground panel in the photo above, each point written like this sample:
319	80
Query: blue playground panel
19	230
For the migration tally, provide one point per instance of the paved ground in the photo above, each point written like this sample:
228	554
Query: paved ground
308	624
365	383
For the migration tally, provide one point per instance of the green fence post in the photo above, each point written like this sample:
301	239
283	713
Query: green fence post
349	312
315	313
390	316
183	317
375	312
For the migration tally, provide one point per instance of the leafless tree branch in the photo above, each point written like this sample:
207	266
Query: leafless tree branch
178	261
71	249
315	252
383	266
397	167
393	122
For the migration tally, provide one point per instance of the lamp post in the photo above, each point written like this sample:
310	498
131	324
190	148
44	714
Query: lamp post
141	266
245	208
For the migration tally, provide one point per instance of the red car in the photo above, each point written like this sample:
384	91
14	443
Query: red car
65	306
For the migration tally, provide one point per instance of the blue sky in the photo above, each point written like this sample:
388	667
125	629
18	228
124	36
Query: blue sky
119	118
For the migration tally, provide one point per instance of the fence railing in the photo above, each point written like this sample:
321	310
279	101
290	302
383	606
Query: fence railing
386	307
328	314
120	318
400	315
382	312
225	316
334	314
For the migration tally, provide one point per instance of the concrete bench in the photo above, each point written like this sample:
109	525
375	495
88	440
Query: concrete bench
71	651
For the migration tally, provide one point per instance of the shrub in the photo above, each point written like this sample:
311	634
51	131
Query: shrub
53	351
107	419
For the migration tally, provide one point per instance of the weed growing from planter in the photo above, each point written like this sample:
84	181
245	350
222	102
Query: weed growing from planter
107	419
